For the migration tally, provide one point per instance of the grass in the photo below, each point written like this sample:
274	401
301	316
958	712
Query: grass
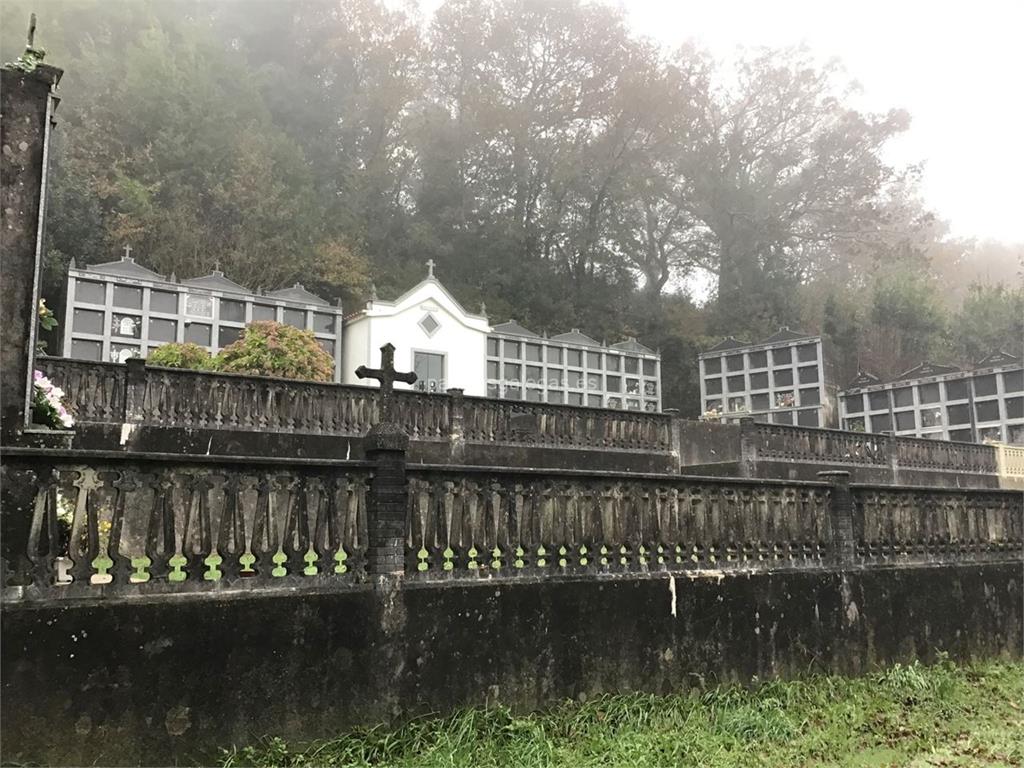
943	715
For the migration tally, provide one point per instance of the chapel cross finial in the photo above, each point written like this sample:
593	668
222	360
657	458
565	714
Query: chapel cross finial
387	376
430	267
127	251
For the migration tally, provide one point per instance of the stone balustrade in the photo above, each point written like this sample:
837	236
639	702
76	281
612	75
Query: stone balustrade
107	524
109	393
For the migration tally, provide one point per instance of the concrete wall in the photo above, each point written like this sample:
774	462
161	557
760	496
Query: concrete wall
121	682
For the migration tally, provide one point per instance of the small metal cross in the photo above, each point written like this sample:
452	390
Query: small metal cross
387	376
430	267
127	251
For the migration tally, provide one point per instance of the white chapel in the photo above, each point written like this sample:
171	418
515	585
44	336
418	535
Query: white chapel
433	335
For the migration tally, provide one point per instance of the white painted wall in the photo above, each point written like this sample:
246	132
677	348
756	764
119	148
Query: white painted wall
461	337
355	349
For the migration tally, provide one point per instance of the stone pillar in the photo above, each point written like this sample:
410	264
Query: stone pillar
841	516
748	447
386	446
676	436
27	102
457	451
892	448
134	389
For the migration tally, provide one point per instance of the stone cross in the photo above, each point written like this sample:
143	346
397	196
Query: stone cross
387	376
430	267
127	251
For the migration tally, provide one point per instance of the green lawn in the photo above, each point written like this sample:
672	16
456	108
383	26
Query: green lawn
944	715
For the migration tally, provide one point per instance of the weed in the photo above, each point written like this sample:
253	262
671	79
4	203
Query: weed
906	715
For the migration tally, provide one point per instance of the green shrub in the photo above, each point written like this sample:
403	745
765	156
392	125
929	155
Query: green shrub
272	349
187	355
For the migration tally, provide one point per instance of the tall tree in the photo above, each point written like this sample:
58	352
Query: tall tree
784	167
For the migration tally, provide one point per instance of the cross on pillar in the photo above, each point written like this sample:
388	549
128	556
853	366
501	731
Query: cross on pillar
127	251
430	267
387	376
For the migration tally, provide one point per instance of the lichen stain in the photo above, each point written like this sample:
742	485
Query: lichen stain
178	720
153	647
83	725
852	613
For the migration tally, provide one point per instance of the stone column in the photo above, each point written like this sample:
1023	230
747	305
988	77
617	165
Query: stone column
386	446
27	102
748	447
457	450
676	436
841	516
134	389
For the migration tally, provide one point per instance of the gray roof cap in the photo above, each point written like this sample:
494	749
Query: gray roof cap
632	345
575	337
298	293
512	328
215	281
125	267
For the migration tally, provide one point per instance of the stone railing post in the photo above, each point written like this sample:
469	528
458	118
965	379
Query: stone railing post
675	436
840	510
892	445
457	434
748	447
386	447
134	390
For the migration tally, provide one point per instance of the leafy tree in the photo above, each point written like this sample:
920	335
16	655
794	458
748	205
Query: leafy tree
783	169
907	323
991	318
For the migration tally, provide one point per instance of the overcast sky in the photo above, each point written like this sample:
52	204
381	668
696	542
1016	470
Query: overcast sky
957	67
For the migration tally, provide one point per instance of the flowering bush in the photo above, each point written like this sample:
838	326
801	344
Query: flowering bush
47	405
187	355
274	349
